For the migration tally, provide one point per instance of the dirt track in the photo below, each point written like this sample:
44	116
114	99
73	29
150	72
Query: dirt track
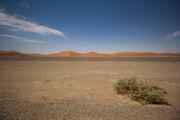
83	90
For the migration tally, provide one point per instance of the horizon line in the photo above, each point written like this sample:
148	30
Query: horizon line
90	52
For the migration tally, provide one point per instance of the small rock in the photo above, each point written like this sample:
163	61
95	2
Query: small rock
119	104
87	97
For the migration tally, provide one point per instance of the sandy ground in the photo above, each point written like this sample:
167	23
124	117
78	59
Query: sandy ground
47	90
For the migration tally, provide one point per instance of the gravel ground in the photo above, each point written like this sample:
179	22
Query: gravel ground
83	90
12	109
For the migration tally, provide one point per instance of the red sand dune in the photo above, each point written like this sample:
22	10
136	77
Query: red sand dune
12	54
119	54
95	54
88	54
65	54
135	54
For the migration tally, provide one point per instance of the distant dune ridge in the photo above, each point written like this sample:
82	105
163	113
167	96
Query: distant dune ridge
88	54
13	54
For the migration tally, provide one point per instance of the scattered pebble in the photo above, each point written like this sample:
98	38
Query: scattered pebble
119	104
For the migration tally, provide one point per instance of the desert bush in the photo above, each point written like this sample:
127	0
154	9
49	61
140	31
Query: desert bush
141	91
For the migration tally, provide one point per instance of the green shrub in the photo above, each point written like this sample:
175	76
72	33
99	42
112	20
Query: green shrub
141	91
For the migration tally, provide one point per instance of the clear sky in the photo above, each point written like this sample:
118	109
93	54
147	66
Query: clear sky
105	26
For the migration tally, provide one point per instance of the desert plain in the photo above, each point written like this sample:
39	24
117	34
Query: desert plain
83	90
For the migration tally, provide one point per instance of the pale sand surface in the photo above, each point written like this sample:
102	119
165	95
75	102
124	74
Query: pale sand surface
59	90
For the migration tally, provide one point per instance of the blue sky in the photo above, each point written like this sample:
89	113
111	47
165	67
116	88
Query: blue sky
105	26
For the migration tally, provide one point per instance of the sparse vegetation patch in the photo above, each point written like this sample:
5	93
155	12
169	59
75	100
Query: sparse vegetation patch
141	91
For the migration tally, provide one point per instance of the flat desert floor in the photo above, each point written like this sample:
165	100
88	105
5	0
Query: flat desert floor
83	90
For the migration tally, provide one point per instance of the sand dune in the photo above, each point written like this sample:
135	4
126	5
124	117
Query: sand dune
145	54
88	54
13	54
66	54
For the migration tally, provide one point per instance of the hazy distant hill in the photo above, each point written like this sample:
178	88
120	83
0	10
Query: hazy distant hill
89	54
